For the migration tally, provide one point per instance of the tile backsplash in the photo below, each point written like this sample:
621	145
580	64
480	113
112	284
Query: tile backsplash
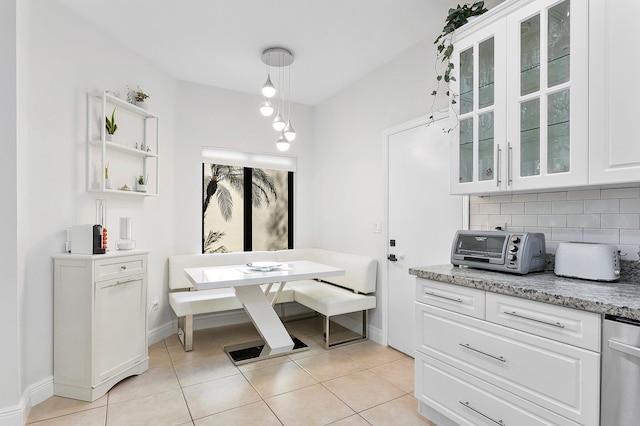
592	215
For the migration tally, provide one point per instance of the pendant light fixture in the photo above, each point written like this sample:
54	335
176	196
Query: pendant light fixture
280	58
289	132
282	143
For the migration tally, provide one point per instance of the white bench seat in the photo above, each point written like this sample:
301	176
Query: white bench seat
186	303
331	300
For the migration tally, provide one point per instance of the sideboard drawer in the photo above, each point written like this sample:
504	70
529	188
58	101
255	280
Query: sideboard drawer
119	267
473	402
464	300
559	377
567	325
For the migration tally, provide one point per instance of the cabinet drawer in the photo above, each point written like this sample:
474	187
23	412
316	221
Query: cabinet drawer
559	377
567	325
470	401
120	267
464	300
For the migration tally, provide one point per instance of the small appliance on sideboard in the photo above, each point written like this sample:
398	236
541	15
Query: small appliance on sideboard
86	239
504	251
589	261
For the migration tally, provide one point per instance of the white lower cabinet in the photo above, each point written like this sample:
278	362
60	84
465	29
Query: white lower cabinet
100	328
467	400
475	371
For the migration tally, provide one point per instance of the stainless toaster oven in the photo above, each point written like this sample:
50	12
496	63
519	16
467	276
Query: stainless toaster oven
504	251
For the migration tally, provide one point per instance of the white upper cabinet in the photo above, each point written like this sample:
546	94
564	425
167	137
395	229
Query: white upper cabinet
522	122
614	150
478	120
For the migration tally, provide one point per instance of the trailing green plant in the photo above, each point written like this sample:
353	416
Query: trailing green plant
111	123
456	18
142	180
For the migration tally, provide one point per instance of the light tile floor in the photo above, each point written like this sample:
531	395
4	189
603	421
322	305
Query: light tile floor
359	384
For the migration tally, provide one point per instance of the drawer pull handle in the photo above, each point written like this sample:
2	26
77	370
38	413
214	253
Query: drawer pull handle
499	358
466	404
123	267
430	293
515	314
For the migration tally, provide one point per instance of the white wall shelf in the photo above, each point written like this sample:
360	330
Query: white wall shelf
132	152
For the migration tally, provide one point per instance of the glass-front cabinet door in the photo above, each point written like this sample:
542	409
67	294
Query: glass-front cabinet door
547	95
477	118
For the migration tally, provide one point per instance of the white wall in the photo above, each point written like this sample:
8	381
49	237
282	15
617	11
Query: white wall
9	299
209	116
349	163
64	59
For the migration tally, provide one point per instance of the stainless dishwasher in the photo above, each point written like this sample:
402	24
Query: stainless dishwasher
620	389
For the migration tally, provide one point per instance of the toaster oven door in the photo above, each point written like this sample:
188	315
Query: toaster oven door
480	247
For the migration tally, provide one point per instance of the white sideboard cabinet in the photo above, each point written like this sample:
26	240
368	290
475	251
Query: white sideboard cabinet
100	322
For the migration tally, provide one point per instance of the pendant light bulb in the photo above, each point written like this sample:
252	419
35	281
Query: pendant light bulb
282	144
266	108
278	123
289	132
268	90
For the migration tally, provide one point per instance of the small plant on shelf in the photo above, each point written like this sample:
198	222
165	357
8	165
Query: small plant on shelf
111	125
137	97
456	18
141	183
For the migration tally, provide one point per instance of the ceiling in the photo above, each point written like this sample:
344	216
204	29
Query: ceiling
220	42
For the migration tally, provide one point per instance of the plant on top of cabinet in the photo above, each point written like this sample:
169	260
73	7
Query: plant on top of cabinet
111	124
137	97
456	18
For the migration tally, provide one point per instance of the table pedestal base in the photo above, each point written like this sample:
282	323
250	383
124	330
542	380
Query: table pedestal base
244	353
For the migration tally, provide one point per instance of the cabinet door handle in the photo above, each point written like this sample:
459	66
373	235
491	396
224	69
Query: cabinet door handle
499	358
509	159
498	160
466	404
125	281
430	293
515	314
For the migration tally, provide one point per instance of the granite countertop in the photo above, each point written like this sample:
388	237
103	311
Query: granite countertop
620	298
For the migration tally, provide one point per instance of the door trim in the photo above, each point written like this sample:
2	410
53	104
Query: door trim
383	298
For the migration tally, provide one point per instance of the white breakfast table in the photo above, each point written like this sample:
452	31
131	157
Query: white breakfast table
246	282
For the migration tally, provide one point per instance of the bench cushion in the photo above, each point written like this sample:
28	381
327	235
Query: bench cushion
330	300
215	300
360	271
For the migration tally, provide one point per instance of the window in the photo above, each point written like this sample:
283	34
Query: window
246	208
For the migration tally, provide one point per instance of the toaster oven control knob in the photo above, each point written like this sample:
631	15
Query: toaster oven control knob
515	239
512	257
513	249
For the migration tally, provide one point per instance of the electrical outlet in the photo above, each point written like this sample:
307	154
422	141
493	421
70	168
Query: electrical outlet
498	226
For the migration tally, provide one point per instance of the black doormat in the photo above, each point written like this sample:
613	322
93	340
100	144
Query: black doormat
254	351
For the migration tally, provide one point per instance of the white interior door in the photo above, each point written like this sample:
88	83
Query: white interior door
423	219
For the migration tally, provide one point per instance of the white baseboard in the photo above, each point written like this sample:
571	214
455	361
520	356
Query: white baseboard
375	335
162	332
33	395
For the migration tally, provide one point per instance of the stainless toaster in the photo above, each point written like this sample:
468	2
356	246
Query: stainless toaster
589	261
